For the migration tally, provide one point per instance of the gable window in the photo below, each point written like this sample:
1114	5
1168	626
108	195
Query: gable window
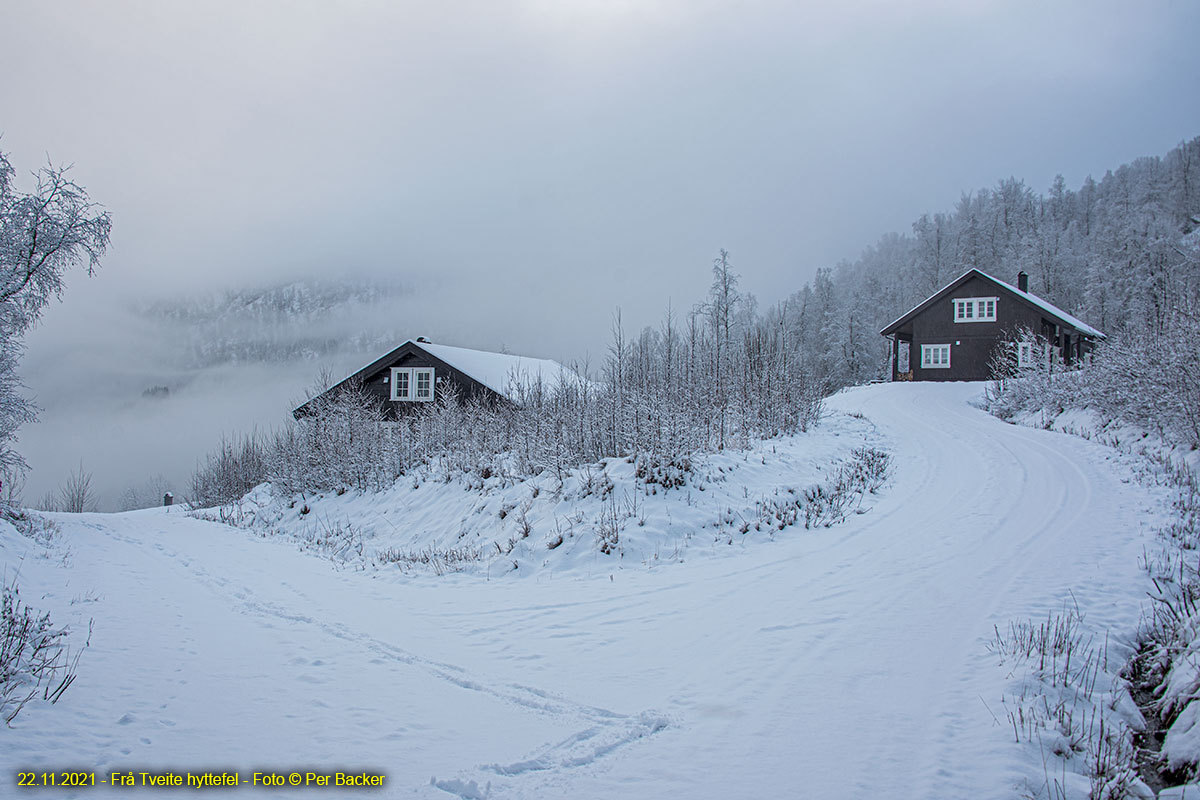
935	356
975	309
412	384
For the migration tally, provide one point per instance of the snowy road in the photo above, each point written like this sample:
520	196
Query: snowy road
847	662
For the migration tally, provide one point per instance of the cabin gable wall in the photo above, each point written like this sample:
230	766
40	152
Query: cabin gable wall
971	344
378	383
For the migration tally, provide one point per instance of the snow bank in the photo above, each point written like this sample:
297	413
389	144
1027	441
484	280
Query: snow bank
619	513
842	662
1167	643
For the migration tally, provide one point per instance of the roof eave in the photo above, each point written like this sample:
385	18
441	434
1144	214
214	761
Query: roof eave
895	325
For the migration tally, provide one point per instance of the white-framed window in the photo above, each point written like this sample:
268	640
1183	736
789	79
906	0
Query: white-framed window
975	309
935	356
1024	354
412	384
423	384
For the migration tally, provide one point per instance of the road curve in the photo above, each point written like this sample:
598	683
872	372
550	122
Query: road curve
848	662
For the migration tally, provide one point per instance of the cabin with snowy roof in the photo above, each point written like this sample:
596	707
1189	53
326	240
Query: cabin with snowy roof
953	335
420	371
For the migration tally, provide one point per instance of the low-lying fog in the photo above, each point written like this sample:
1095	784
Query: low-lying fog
137	390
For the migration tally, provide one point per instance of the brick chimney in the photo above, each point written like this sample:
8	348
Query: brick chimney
1023	281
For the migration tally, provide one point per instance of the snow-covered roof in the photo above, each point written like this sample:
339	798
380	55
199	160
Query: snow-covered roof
1050	308
1033	299
501	372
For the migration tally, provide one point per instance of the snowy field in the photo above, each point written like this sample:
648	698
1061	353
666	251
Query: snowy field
848	661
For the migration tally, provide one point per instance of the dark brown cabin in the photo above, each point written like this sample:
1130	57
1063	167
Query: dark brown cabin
953	335
419	372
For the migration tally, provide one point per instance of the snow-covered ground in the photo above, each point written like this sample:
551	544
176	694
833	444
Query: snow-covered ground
617	514
849	661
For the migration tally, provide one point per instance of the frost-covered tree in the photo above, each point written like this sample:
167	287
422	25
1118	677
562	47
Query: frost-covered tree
1117	252
722	377
43	234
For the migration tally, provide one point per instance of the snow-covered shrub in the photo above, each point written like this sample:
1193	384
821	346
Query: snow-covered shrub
871	467
1057	647
826	504
341	444
41	529
1151	378
650	409
228	474
340	541
667	473
1019	386
1147	377
33	655
451	559
1167	661
727	379
74	496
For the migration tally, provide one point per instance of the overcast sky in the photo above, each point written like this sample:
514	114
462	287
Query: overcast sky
546	161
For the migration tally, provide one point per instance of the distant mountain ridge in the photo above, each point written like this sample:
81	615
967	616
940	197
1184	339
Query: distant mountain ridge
296	320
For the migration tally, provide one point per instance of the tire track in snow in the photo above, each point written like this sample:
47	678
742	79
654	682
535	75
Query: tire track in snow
1040	500
840	662
602	730
918	639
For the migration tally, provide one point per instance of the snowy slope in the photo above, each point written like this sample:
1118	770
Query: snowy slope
590	520
841	662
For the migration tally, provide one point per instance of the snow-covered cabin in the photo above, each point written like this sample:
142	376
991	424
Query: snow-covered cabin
419	371
953	334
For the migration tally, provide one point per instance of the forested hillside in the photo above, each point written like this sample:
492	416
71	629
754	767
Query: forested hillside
1115	252
300	320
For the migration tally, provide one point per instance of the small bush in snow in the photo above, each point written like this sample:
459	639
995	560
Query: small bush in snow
76	494
452	559
827	504
34	659
1166	665
35	526
668	473
41	529
340	541
1059	651
231	472
1149	378
608	526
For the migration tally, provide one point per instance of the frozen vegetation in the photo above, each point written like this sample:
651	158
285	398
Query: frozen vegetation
695	573
168	377
709	653
1118	252
614	514
1112	251
1138	396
